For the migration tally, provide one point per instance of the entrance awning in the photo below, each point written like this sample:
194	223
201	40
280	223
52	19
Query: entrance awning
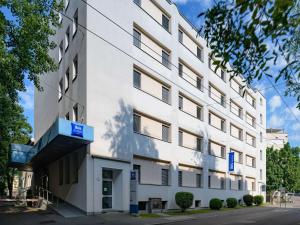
63	137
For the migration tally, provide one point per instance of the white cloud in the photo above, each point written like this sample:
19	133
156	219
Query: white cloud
275	102
276	121
27	97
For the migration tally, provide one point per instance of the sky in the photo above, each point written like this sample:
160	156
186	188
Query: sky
281	110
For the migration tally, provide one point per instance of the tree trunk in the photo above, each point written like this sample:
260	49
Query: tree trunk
10	180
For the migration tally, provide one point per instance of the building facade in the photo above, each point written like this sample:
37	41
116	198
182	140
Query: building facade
141	76
276	138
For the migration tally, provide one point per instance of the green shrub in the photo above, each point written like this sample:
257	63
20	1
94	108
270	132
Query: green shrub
231	202
248	200
215	203
258	199
184	200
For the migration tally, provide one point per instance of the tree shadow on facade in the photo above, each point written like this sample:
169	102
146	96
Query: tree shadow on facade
124	143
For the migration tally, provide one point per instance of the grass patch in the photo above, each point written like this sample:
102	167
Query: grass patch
149	215
188	212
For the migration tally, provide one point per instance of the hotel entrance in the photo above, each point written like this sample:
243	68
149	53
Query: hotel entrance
107	188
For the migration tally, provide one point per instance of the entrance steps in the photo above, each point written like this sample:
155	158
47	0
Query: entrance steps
66	210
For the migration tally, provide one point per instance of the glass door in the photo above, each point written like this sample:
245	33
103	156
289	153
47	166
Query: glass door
107	186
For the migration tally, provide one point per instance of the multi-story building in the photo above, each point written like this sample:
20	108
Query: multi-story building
136	89
276	138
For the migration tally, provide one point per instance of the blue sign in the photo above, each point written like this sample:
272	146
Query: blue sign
231	161
133	175
77	130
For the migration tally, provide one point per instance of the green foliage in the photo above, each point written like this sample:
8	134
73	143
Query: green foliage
248	200
215	203
283	168
184	200
231	202
253	36
25	30
258	199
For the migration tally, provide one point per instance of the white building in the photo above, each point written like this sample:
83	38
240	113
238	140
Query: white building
276	138
143	79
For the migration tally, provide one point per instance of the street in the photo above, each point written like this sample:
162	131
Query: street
253	215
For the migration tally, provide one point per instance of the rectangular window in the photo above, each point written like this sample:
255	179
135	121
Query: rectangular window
180	102
61	172
180	69
216	179
236	132
67	39
250	99
180	138
217	121
209	181
75	67
216	149
260	174
260	137
138	169
165	95
199	53
165	58
75	113
261	154
180	36
236	109
217	95
250	161
165	177
250	120
136	123
75	22
199	144
179	178
261	119
60	51
165	22
67	170
136	79
67	75
250	140
240	185
137	38
198	180
223	75
236	86
199	112
238	156
60	89
165	133
199	83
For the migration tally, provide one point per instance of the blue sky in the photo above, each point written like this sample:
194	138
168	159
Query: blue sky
278	115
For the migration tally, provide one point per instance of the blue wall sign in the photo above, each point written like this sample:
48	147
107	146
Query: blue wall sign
231	161
77	130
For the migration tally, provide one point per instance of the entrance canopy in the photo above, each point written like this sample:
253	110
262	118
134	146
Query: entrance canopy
63	137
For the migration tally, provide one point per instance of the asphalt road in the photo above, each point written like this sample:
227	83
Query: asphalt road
257	216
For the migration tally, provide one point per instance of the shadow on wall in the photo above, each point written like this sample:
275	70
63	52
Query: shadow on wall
124	143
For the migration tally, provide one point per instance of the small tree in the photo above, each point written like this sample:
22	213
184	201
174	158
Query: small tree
231	202
215	203
248	199
184	200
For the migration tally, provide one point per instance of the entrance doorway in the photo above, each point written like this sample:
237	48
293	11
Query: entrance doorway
107	188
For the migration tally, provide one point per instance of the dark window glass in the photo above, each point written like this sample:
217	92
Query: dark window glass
223	75
199	53
199	144
165	22
137	38
165	94
180	138
165	133
180	102
180	36
199	83
136	123
107	174
165	177
222	181
199	112
240	185
61	172
180	69
209	181
180	178
138	168
165	59
136	79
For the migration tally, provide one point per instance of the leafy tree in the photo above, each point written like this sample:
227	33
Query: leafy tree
25	31
25	28
253	35
282	168
14	129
